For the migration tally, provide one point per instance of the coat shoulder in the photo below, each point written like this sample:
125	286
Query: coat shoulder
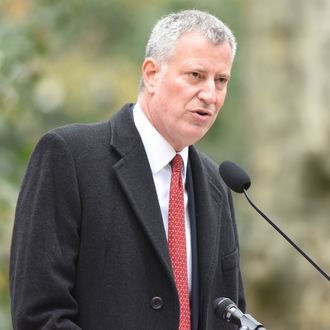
83	135
91	135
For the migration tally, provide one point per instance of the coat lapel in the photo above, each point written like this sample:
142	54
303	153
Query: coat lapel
208	205
135	176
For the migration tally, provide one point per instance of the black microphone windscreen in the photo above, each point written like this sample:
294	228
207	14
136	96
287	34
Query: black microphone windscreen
234	176
221	306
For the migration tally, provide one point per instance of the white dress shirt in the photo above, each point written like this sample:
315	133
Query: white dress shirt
160	153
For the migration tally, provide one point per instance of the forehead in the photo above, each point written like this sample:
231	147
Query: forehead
193	47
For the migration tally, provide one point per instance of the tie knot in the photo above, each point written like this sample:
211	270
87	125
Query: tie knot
177	163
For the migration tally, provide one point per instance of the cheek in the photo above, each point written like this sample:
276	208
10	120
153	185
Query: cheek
221	99
176	88
214	118
168	91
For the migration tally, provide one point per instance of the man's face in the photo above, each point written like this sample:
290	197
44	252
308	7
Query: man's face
188	92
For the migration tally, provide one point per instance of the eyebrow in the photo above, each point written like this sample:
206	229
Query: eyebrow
200	68
224	75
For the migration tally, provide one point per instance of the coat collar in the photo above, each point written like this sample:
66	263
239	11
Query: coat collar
137	182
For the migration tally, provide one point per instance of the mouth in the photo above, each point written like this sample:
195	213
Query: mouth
202	112
202	116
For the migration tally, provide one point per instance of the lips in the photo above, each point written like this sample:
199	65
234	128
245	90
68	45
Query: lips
203	112
202	116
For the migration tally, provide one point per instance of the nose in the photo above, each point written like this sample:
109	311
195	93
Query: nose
207	93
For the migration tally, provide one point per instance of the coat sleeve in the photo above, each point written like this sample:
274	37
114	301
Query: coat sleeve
45	240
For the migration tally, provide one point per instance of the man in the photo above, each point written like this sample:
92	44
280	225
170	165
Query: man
95	242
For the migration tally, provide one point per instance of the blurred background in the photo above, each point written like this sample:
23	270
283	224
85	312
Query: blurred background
79	61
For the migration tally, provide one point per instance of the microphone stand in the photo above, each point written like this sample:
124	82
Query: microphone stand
287	238
247	322
226	310
244	327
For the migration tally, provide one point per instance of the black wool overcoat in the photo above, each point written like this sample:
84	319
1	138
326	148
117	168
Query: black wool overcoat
89	249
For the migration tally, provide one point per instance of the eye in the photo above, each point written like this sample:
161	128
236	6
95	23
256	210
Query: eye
222	81
195	75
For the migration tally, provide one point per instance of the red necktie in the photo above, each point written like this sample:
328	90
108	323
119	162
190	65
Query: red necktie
177	240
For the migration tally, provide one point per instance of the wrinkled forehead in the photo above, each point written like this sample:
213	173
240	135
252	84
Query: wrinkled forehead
195	43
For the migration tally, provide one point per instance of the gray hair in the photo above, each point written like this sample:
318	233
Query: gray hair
169	29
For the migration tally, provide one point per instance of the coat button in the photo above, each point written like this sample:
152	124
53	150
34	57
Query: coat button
156	303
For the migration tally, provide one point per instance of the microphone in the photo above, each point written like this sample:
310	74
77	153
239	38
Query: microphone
226	310
234	176
239	181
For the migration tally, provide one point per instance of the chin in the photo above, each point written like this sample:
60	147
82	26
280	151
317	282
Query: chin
198	136
194	140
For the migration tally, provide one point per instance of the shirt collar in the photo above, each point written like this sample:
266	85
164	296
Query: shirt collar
159	151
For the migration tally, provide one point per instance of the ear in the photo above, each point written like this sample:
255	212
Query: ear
150	72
